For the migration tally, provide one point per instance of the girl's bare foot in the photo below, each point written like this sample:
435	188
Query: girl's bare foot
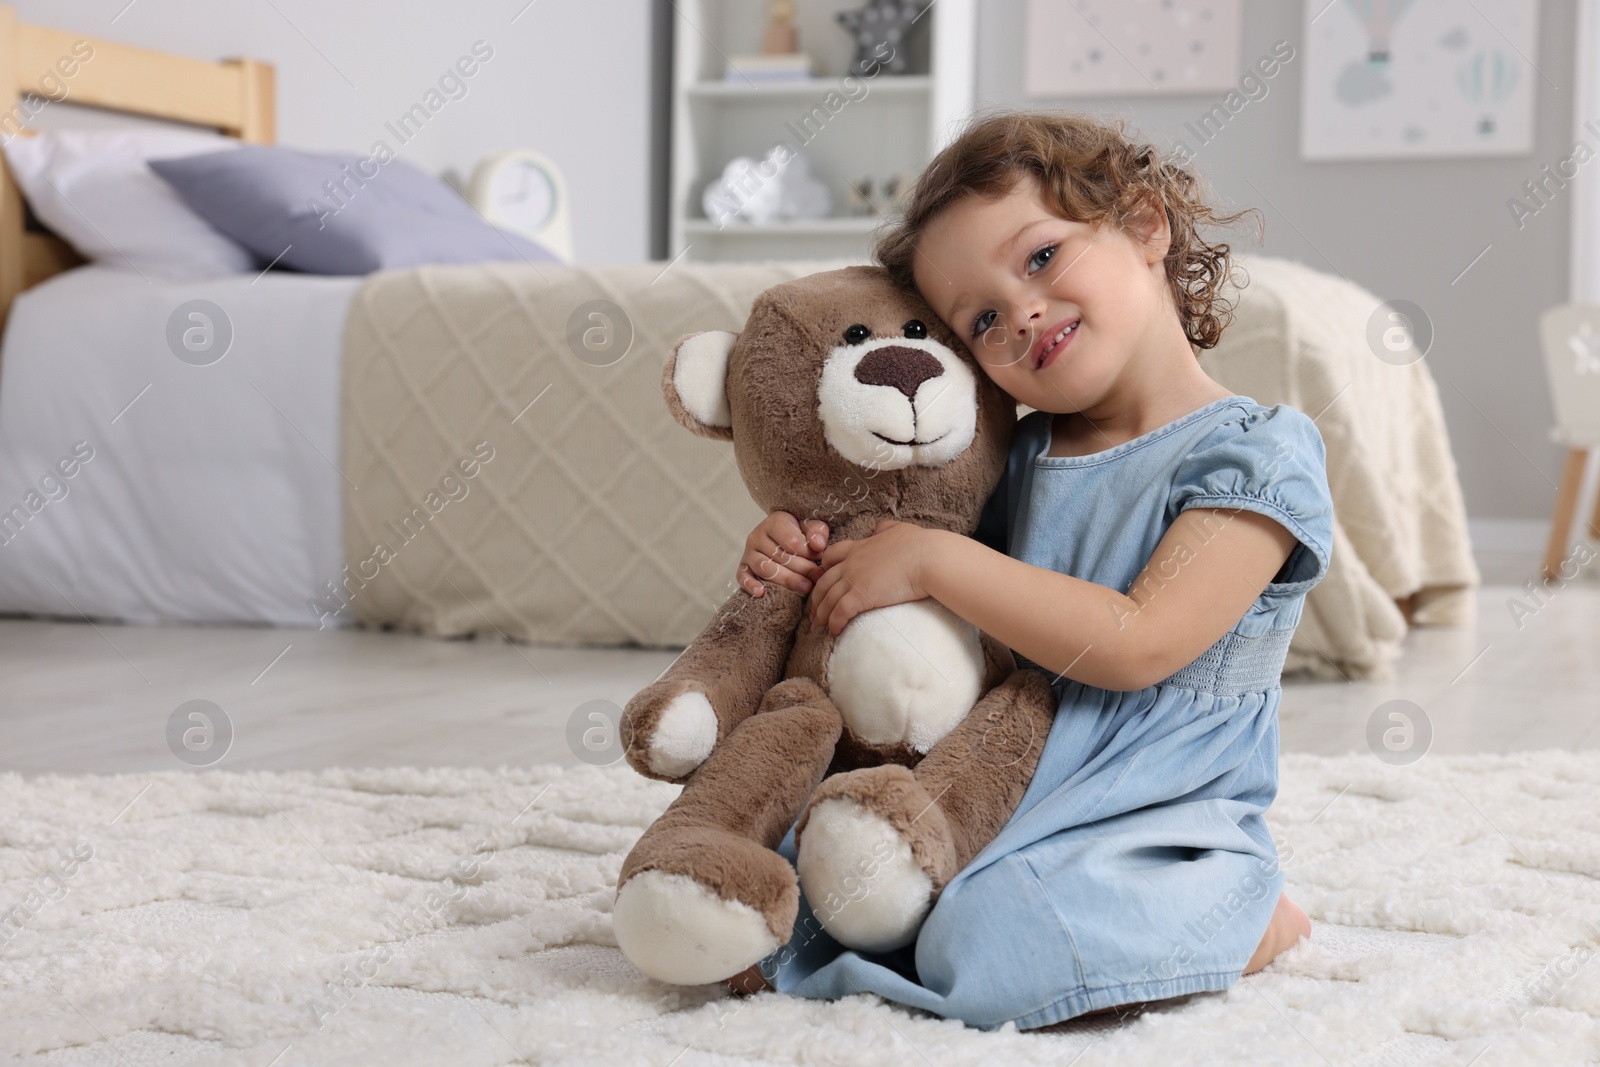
1289	924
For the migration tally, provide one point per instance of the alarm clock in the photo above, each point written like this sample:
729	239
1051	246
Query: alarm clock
523	191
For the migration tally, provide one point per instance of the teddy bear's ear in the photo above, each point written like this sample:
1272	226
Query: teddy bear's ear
695	381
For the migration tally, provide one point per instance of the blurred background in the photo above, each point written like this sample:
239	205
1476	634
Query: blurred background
1403	226
619	173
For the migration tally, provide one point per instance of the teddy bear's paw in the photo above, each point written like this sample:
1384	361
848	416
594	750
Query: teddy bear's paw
676	930
861	877
684	735
702	903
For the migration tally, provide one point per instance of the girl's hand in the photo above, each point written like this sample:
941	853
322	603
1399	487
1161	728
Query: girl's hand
885	568
783	551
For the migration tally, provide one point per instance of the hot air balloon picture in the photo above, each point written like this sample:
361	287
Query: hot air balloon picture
1378	18
1418	79
1487	78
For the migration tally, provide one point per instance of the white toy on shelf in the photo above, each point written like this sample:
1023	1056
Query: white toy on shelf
779	187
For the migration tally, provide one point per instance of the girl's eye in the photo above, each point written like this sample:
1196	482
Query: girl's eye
855	333
1040	258
983	324
916	329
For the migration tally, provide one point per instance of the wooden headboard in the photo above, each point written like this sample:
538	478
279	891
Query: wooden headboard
234	96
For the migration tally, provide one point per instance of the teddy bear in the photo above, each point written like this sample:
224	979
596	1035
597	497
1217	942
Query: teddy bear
897	749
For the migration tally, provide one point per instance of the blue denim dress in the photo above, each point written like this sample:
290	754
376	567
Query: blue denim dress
1138	865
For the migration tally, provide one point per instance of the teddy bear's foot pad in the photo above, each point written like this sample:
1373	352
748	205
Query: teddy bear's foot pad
860	878
675	930
684	735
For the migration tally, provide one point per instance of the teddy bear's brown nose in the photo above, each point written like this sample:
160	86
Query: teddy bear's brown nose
901	366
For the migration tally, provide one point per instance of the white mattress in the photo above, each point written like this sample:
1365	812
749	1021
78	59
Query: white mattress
214	496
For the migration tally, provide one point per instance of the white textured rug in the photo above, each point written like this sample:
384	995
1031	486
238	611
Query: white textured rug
462	916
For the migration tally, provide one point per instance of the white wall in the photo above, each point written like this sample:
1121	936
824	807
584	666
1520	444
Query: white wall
568	77
1585	283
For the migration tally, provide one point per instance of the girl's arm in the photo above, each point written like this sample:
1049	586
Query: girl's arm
1206	572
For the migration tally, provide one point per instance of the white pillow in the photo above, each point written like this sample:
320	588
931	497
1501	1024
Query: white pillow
92	189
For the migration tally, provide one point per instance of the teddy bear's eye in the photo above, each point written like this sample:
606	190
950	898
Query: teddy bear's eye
916	329
856	333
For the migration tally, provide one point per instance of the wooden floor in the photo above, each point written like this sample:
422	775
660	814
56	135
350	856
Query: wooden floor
85	698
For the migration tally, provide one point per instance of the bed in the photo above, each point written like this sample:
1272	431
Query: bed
259	487
255	489
143	482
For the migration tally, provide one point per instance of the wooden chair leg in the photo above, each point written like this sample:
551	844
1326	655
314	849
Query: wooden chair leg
1594	520
1566	508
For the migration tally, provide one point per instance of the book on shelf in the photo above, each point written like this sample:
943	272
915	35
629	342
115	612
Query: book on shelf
780	67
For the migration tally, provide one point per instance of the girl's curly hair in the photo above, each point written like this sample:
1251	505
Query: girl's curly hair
1088	170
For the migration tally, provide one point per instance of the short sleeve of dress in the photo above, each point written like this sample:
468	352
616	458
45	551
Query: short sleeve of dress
1271	461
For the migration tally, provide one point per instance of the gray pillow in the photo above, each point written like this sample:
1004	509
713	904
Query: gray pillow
337	213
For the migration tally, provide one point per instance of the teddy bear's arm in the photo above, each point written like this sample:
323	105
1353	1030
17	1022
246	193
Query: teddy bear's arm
671	726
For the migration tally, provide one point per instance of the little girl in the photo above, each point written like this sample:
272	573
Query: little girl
1149	547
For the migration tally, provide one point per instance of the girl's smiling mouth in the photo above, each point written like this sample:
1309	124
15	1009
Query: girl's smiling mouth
1049	346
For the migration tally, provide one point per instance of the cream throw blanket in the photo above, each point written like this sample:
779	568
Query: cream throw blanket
599	521
1299	338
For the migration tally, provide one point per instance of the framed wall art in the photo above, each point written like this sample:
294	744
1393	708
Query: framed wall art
1418	78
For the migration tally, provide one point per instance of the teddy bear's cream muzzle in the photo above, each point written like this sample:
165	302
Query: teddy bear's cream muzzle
888	403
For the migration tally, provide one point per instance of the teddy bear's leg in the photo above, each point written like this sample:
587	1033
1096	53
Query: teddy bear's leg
670	727
877	845
703	895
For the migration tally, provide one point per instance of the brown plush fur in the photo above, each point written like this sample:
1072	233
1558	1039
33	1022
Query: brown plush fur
724	839
779	735
755	634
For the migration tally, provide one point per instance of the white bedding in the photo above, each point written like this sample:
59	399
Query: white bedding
214	496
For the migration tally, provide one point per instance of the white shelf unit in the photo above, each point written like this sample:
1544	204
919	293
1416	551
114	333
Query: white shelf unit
850	226
888	124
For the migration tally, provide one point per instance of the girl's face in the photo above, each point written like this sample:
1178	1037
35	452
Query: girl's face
1059	313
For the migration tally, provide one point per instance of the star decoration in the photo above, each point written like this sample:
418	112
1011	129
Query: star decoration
881	22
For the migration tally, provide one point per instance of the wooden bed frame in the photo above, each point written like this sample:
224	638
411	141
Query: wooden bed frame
234	96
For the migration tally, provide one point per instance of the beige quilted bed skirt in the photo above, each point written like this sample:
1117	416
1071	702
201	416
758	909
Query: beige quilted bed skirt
503	484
